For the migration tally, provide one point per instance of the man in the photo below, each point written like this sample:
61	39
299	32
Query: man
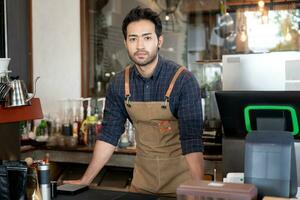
163	102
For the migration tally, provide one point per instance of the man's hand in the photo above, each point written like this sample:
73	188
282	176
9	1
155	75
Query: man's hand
102	153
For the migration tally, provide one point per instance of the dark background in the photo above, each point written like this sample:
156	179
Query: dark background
18	30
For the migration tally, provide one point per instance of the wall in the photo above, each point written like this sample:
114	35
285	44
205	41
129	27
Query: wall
56	51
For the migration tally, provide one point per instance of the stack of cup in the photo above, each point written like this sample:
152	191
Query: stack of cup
4	62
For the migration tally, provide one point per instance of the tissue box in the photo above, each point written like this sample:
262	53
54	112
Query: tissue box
216	190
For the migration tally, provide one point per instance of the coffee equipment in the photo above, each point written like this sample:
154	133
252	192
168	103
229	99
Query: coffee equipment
18	95
4	86
43	175
4	62
4	90
13	92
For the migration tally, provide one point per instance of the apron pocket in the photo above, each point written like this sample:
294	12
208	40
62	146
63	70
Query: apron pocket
145	174
173	172
160	175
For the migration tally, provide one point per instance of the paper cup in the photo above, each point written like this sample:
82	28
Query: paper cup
4	62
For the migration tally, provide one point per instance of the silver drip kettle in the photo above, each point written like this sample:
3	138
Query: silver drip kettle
18	95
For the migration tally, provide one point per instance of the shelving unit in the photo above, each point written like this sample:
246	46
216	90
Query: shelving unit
208	61
22	113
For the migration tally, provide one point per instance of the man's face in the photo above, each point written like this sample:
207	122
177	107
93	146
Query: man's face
142	43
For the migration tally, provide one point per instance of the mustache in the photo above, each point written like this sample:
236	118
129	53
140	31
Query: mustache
144	52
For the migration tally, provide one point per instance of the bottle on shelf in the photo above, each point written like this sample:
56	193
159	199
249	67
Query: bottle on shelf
75	118
80	121
99	111
88	129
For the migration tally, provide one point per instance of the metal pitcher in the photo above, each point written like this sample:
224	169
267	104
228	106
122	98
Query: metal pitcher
18	95
225	26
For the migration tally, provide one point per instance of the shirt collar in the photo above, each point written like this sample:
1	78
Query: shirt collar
155	73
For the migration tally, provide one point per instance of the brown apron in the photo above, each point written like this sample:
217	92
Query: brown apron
159	166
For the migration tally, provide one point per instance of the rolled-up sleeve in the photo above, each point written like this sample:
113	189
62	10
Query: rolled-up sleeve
114	115
190	115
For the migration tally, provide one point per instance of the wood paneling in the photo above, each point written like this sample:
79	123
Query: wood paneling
84	27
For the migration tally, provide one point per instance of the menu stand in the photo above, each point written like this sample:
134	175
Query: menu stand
9	127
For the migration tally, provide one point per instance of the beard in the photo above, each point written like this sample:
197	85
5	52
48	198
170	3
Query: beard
150	57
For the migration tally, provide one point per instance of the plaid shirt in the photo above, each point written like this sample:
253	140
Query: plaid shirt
185	103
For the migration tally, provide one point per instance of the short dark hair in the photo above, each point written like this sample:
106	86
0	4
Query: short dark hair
139	13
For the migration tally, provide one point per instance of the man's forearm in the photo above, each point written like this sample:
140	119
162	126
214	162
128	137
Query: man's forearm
196	164
102	153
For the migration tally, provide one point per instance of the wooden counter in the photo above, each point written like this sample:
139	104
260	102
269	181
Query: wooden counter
84	149
120	158
82	155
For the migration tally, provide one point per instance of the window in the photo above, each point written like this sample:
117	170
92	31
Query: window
192	33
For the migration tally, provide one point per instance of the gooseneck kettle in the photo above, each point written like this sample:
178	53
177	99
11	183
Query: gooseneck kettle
18	95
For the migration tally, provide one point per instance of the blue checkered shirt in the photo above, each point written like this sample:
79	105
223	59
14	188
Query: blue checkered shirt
185	103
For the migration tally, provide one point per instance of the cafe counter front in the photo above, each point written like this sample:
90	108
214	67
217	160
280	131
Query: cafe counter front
123	158
70	163
95	194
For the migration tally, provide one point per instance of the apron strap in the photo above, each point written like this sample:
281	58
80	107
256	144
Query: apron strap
127	88
171	86
168	93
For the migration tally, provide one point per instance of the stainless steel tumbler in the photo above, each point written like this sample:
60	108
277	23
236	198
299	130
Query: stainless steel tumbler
43	174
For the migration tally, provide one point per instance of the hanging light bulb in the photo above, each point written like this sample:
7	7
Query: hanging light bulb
288	36
261	4
243	36
167	17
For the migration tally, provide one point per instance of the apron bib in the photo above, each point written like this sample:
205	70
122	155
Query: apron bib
160	166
